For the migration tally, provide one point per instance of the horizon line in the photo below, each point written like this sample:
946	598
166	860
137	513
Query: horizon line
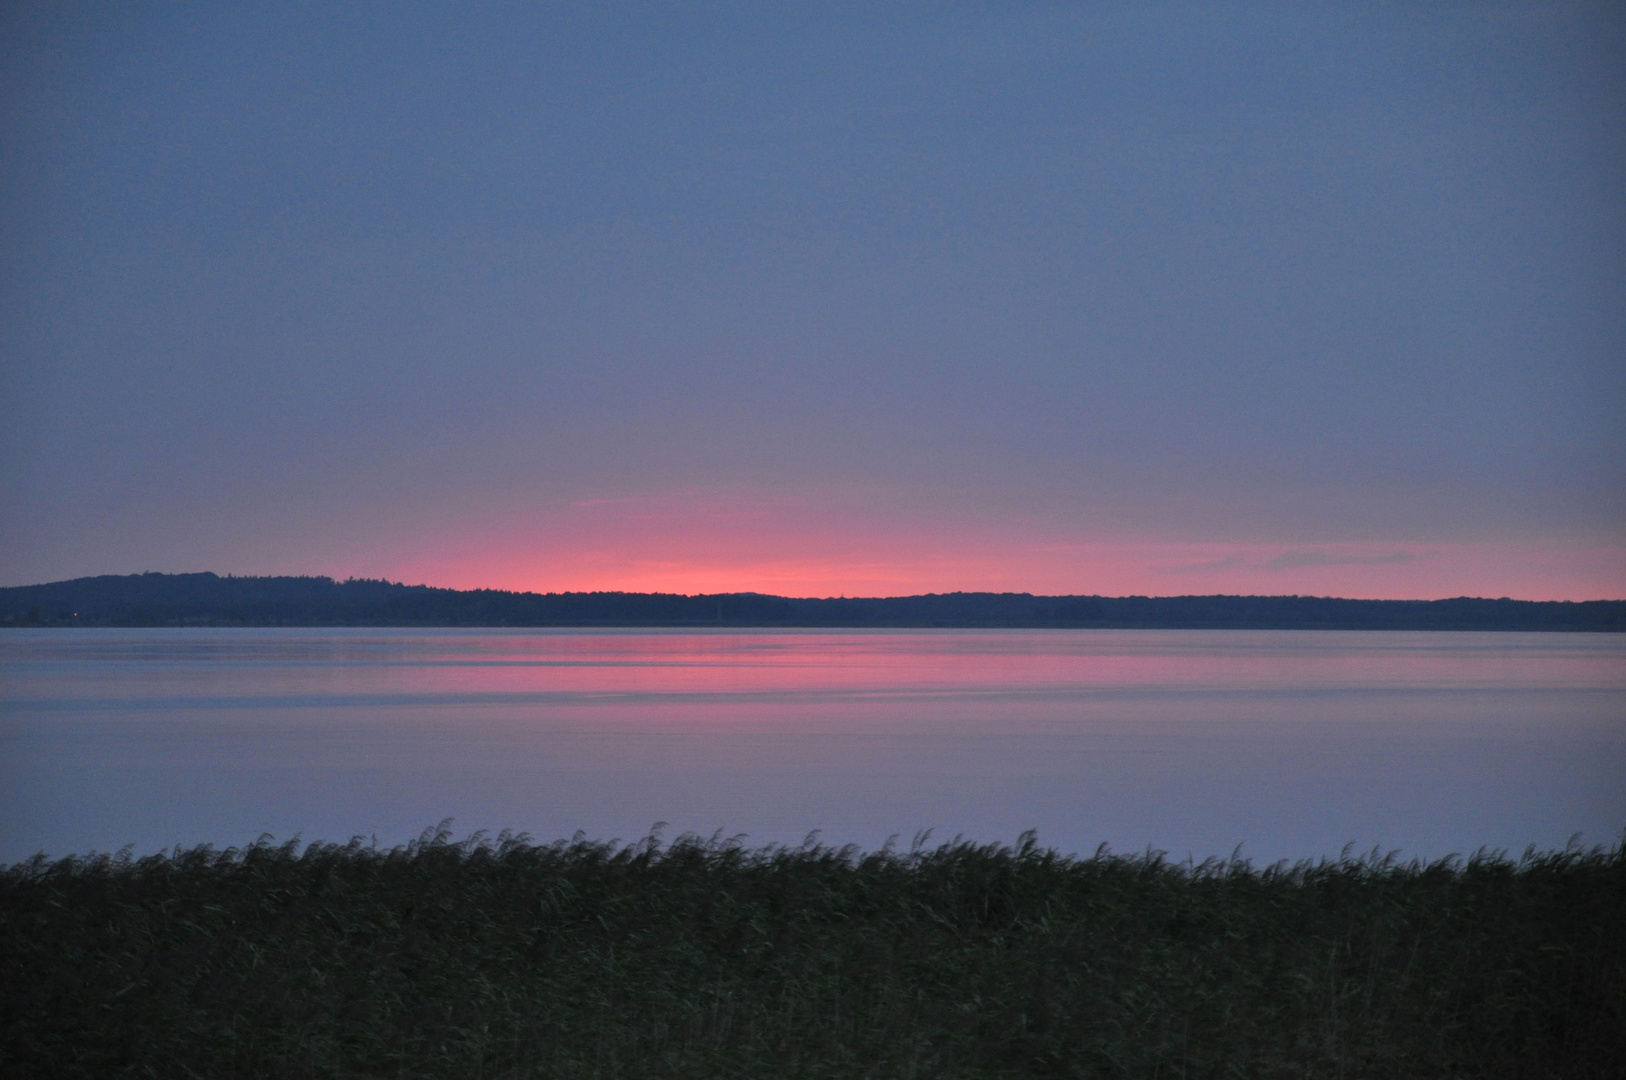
780	596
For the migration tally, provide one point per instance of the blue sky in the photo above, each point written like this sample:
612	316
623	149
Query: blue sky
819	298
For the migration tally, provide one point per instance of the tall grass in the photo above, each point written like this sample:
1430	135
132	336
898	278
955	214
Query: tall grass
505	958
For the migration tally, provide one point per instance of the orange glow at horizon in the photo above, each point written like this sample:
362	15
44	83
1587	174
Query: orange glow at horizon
707	542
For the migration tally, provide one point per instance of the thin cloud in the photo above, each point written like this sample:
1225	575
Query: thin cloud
1292	560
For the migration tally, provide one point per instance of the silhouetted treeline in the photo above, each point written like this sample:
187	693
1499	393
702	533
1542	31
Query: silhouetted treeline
211	600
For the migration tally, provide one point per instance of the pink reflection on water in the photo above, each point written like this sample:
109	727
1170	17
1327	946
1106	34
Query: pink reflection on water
624	665
812	661
1295	742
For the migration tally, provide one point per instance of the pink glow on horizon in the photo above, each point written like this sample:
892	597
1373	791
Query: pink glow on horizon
718	542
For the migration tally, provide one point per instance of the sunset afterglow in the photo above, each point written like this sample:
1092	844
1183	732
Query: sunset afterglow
849	302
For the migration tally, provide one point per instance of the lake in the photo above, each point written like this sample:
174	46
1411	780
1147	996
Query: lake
1288	744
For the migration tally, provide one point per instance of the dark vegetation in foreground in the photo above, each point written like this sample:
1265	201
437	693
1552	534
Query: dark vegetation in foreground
703	959
211	600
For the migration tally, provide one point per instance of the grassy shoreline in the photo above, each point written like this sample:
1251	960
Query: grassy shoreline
505	958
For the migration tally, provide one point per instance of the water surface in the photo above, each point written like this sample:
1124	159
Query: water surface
1288	743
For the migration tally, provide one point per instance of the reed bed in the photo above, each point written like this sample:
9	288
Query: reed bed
703	958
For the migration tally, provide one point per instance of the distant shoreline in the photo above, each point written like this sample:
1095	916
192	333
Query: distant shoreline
207	599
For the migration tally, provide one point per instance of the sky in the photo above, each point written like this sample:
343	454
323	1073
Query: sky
818	299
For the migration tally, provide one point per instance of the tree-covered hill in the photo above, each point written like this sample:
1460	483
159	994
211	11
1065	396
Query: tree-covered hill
212	600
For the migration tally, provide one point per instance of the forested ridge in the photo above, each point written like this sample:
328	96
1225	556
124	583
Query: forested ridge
207	599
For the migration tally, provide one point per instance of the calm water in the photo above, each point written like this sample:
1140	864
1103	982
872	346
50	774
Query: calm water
1288	743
